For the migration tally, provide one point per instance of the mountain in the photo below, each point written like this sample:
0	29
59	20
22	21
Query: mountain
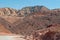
30	10
8	12
28	19
23	12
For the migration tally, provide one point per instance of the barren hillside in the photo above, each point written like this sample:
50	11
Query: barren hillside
28	19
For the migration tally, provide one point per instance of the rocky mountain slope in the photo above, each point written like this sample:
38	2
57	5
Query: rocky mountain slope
28	19
52	33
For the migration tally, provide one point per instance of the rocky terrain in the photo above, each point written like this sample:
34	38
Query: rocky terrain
29	20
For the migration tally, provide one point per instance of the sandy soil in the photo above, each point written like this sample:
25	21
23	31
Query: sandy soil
10	37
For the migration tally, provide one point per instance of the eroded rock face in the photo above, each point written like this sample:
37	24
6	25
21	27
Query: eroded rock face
8	12
23	12
47	34
32	10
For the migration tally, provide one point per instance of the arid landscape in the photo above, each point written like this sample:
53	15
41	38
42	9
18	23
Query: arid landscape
33	23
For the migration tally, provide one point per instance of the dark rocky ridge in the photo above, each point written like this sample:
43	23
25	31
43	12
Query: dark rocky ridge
30	10
23	12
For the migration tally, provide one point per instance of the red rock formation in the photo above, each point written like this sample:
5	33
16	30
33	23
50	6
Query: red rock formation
47	34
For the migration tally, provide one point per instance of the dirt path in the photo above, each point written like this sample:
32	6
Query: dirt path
15	37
